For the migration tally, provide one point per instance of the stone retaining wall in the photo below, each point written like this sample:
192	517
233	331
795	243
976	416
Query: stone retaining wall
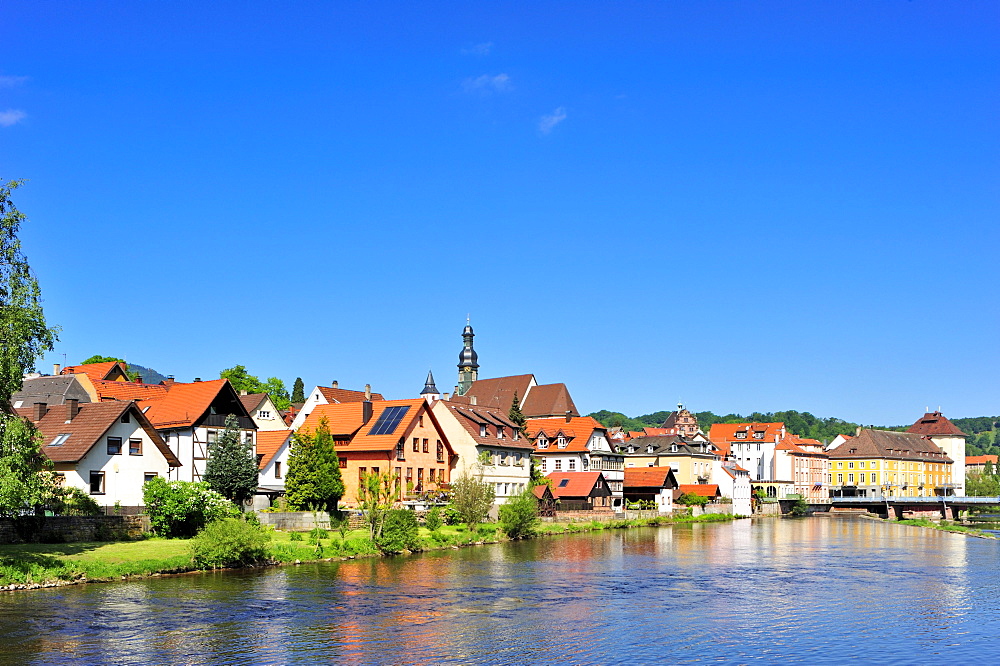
72	529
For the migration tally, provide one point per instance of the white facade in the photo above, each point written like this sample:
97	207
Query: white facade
735	484
272	474
314	398
954	448
117	478
267	417
599	457
190	445
756	456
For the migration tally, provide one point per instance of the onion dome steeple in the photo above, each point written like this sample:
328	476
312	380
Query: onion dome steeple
468	361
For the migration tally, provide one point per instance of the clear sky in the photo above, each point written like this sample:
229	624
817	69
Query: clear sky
743	206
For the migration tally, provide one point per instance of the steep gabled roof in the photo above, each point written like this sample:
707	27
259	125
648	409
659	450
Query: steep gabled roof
578	484
347	419
498	392
577	432
649	477
548	400
110	390
726	432
543	492
88	427
342	419
472	417
934	423
889	444
269	442
50	390
252	401
111	370
185	404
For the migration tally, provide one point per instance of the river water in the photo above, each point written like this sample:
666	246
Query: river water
814	590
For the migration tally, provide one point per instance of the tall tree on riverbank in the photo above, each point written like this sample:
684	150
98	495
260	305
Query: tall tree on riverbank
24	337
313	481
231	469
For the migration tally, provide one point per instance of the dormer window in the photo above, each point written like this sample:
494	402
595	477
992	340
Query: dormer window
517	434
741	435
500	432
482	430
758	435
561	442
673	448
543	443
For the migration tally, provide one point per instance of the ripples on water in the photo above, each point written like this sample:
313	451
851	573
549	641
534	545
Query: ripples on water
816	590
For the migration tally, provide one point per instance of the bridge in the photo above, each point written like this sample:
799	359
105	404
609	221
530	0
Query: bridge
901	505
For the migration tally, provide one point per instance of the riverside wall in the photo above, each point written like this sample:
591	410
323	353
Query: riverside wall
72	529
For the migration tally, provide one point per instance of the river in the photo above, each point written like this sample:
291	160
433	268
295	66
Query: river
815	590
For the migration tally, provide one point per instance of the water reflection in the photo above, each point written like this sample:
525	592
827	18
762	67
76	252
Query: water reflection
821	590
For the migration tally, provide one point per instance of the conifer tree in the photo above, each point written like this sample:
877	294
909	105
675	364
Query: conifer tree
313	480
231	469
298	391
516	415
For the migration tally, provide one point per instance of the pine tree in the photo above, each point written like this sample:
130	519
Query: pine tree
313	480
516	415
231	469
988	468
298	391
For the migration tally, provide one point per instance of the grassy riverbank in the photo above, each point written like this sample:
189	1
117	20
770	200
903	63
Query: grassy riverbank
58	564
945	526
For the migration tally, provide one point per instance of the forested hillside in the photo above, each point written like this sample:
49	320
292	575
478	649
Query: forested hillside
982	430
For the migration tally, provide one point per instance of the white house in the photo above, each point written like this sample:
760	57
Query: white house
734	482
263	411
751	445
107	449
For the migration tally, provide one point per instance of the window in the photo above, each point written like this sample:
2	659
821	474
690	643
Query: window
425	446
97	483
361	473
500	433
840	465
264	414
563	483
572	464
862	465
545	464
60	439
758	446
840	479
416	445
850	465
248	438
758	435
420	421
482	430
212	436
850	479
375	470
741	435
135	447
673	448
126	417
409	476
114	446
862	479
400	454
430	475
149	476
543	443
440	451
517	434
343	463
558	464
561	442
277	469
420	478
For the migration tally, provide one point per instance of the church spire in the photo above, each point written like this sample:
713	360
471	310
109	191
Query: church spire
430	392
468	361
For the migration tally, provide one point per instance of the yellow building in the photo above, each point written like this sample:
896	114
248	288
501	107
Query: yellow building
886	463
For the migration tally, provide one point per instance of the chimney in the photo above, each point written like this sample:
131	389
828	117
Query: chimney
569	415
55	368
366	411
138	379
368	392
39	411
244	392
334	384
168	381
857	431
197	379
72	409
445	396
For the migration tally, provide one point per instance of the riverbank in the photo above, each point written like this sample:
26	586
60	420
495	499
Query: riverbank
942	526
35	566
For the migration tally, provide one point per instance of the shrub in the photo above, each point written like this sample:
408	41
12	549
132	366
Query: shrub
452	517
230	542
182	508
690	499
433	521
519	515
317	533
72	501
295	536
399	532
800	507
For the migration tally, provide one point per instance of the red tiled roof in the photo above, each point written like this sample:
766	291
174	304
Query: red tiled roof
577	432
980	460
578	484
541	491
96	371
184	404
347	419
341	418
471	417
700	489
726	432
269	442
934	423
647	477
548	400
110	390
252	401
499	392
337	395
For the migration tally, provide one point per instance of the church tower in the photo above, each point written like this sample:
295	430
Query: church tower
468	367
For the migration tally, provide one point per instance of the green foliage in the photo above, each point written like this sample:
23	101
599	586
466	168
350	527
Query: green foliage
988	468
376	497
982	485
244	381
318	533
516	415
690	499
617	419
313	479
452	517
71	501
472	498
181	508
24	337
799	508
399	532
23	488
230	542
231	469
295	536
298	391
132	374
434	521
519	515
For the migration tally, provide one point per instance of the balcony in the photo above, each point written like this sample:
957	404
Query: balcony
219	421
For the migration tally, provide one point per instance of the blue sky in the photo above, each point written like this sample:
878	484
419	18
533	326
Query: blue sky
742	206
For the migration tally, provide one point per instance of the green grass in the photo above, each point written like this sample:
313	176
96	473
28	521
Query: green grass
944	526
48	563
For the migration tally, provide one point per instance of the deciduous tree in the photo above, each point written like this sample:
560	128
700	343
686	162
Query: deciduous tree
313	481
471	497
244	381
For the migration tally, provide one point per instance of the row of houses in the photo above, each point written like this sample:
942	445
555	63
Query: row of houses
108	434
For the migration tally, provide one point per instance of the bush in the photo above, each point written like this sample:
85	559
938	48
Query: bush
230	542
452	517
295	536
433	521
519	515
182	508
318	533
690	499
399	532
800	508
72	501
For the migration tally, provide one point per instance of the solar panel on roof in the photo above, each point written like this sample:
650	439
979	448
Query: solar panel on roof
564	483
388	420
